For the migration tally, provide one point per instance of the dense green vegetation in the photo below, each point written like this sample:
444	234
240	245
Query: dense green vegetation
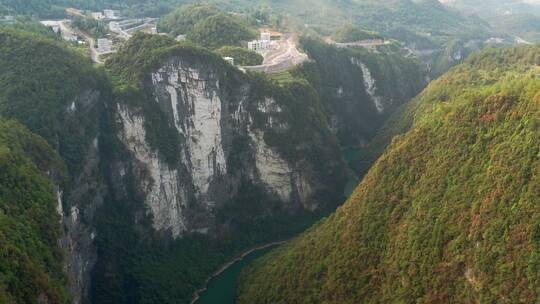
56	8
207	26
46	8
350	33
32	25
183	19
449	214
44	81
220	30
41	81
58	94
241	55
30	258
135	264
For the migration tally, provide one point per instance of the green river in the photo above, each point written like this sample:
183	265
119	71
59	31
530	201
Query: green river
222	289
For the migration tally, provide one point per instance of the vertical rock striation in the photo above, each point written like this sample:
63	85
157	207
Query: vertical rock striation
212	118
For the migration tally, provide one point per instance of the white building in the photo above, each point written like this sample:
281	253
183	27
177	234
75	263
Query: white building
181	37
266	36
114	26
229	60
111	14
98	15
7	19
258	45
69	37
104	45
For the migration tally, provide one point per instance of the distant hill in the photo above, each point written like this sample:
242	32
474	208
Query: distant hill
524	26
349	33
519	18
489	8
55	8
426	26
429	17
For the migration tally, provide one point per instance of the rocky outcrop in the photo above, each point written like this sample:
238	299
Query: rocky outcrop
370	85
164	193
360	88
78	202
273	170
79	233
211	117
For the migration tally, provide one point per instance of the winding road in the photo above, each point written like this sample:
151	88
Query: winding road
94	54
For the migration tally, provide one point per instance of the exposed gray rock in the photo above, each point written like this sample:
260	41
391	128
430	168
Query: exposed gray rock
185	197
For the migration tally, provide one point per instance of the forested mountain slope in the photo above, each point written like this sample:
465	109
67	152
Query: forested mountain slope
449	214
490	8
31	261
56	93
44	84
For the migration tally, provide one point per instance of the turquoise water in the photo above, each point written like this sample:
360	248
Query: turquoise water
222	289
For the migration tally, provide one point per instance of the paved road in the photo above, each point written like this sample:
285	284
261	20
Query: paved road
283	57
91	42
93	50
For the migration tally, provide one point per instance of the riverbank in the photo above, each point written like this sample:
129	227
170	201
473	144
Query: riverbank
197	293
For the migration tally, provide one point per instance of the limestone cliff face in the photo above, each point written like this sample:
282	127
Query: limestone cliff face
179	153
371	86
219	148
82	196
79	232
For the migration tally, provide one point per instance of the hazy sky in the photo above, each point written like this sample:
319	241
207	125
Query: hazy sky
525	1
